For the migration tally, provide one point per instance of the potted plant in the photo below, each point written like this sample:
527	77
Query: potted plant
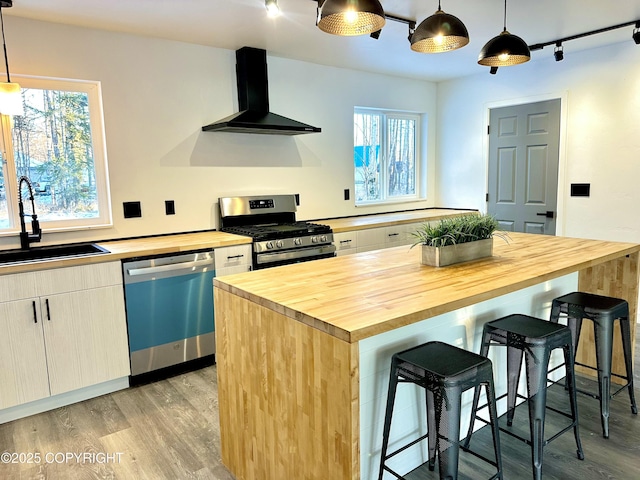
457	239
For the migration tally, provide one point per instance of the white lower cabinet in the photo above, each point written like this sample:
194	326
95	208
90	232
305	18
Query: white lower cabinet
69	335
233	259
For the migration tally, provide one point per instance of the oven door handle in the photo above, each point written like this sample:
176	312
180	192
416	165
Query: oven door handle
168	268
264	258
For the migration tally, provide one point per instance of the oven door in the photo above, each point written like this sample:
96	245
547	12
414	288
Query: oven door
286	257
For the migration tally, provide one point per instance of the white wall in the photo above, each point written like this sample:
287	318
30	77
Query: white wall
157	94
601	141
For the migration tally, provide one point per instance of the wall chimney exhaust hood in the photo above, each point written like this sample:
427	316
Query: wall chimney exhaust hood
253	100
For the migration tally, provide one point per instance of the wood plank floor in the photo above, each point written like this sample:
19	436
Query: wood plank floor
169	430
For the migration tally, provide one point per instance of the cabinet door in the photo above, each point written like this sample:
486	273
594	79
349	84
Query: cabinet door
23	366
85	334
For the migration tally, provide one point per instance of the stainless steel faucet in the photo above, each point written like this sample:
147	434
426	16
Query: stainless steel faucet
27	238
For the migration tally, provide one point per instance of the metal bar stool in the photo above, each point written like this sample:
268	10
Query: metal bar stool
536	339
603	312
445	372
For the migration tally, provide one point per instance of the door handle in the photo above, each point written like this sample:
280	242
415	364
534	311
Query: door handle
168	268
548	214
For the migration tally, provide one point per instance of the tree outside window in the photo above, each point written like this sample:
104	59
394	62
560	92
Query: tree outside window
58	144
385	156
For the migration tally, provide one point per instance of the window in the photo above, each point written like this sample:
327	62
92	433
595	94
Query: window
59	145
385	156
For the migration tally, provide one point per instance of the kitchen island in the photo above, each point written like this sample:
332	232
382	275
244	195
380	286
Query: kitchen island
304	350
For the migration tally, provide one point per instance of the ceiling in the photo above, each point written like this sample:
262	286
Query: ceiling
232	24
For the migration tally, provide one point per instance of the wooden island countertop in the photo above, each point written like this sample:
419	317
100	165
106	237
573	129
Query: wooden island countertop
288	339
356	296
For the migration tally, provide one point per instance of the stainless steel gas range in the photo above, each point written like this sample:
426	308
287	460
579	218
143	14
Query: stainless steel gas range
278	239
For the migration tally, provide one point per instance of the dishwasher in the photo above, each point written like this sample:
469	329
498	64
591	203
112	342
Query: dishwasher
169	303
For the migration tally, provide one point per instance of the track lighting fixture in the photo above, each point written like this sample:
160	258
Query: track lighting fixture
636	33
558	52
438	33
273	10
350	17
505	49
10	93
493	70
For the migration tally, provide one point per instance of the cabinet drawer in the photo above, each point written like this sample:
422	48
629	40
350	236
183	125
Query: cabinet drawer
17	286
235	256
371	237
70	279
345	241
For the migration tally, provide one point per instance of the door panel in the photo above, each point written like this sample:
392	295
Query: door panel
523	166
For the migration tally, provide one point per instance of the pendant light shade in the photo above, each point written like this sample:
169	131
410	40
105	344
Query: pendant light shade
10	99
10	94
438	33
505	49
350	17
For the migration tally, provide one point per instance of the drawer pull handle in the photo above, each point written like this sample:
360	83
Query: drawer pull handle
35	314
345	241
48	313
393	234
231	257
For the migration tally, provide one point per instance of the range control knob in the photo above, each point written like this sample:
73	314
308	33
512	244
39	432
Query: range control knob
323	238
297	241
269	245
314	239
279	243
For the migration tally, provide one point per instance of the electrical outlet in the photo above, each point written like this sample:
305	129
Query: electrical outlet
347	195
132	209
169	207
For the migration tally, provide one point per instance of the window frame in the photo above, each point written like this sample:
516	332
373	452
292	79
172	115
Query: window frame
93	91
385	115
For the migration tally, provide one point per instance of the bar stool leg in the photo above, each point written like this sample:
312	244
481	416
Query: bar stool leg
537	361
570	382
432	429
625	330
603	333
484	351
391	396
493	416
514	364
448	405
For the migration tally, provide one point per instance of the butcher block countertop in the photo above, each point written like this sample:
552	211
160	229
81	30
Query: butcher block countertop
356	296
348	224
138	247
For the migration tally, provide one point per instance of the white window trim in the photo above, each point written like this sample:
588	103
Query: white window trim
386	200
94	93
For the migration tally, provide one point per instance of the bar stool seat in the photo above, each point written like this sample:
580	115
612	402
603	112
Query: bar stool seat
445	372
603	312
535	338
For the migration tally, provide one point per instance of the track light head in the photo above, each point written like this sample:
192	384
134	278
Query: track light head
636	33
493	70
558	52
376	34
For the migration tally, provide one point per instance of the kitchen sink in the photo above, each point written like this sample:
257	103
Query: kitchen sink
51	253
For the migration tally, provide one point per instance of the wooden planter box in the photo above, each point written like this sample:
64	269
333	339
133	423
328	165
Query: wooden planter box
463	252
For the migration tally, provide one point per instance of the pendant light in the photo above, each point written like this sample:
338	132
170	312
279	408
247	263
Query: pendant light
350	17
10	95
505	49
438	33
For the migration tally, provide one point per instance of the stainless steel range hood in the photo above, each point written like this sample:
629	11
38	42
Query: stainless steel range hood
253	100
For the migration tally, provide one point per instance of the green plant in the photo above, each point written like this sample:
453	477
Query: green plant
462	229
